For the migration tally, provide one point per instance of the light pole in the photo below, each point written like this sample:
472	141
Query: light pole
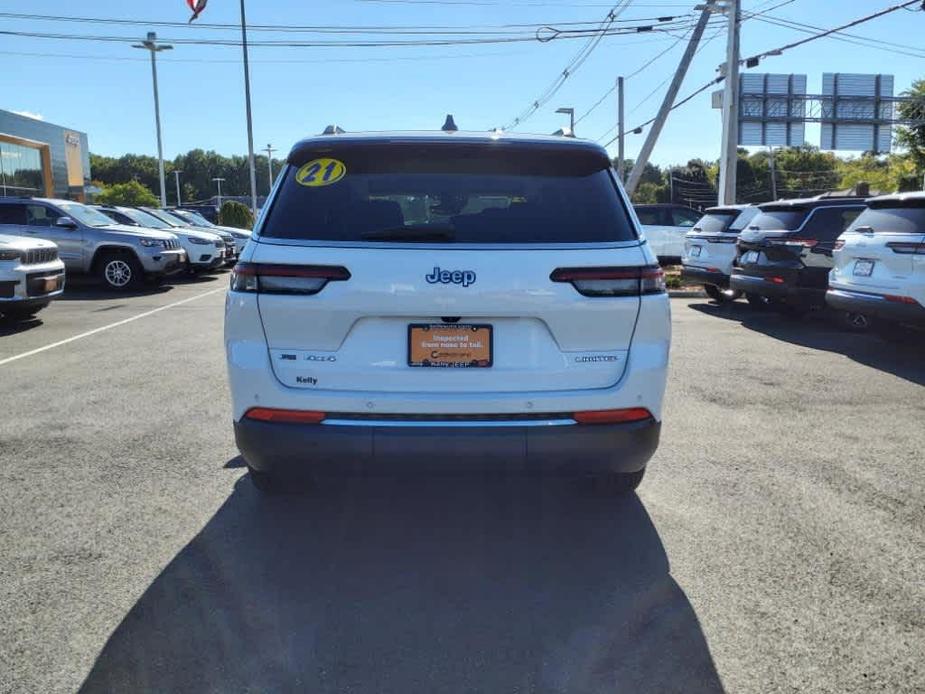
247	103
219	182
176	175
150	44
269	150
571	118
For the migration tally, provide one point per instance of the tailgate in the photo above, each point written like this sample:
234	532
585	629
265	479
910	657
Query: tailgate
354	334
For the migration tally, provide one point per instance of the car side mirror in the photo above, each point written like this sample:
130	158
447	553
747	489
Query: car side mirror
65	223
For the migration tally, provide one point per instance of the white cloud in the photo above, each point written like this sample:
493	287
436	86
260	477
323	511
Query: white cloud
30	114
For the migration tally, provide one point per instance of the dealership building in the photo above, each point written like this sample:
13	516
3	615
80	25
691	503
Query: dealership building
42	159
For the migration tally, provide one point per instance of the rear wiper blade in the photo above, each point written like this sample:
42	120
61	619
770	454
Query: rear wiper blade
410	234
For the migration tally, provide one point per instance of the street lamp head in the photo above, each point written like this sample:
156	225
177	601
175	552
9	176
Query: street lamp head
564	109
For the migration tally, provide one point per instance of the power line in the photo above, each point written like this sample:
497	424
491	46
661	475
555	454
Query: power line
779	51
847	38
322	28
595	37
573	65
880	13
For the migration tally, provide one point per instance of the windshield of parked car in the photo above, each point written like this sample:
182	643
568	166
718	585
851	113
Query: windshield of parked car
85	215
908	219
192	218
779	219
451	194
715	222
143	218
167	219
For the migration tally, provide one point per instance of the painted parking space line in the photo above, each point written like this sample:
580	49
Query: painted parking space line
88	333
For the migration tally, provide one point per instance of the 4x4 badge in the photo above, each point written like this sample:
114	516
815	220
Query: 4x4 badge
463	277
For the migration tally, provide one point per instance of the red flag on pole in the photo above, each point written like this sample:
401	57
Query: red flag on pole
197	6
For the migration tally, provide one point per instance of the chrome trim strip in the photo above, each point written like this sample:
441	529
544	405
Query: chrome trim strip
466	424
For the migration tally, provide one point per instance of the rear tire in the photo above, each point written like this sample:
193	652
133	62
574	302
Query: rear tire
619	483
757	301
856	322
119	271
721	296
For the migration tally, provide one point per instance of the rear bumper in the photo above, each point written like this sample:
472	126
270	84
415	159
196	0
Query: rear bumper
877	306
791	290
571	449
704	276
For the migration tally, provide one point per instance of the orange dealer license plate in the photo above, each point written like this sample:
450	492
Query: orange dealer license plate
450	345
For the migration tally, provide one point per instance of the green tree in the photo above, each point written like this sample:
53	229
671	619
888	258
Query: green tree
235	214
912	137
132	194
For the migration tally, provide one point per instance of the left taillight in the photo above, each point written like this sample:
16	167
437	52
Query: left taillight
266	278
907	247
613	281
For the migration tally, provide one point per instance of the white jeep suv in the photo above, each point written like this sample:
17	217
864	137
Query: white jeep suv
710	249
879	271
31	275
447	302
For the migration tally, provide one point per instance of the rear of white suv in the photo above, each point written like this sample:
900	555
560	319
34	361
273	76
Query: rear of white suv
880	263
710	249
447	302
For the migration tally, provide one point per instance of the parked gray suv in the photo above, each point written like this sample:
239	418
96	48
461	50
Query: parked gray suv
90	242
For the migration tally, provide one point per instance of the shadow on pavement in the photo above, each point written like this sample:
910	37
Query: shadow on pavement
820	330
89	289
14	326
436	585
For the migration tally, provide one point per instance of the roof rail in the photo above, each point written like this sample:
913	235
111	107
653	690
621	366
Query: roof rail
333	130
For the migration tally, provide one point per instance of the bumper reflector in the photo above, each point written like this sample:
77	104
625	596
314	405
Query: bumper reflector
631	414
267	414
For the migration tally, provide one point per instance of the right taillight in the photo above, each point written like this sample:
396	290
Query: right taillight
612	281
907	247
266	278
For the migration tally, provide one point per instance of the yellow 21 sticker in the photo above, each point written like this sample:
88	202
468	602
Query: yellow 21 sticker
320	172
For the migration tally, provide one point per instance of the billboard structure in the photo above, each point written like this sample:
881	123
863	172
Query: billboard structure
772	110
856	112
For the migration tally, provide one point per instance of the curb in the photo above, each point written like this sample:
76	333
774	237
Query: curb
686	293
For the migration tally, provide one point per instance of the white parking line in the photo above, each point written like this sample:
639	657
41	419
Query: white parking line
107	327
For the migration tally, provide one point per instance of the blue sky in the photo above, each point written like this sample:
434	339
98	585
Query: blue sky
105	88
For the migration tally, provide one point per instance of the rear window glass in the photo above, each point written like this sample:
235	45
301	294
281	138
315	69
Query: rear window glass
714	222
778	220
450	194
894	220
744	219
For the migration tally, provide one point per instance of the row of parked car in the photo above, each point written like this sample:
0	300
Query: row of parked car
42	240
862	257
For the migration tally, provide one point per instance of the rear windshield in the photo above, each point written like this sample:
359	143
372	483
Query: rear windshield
895	220
744	218
449	194
715	222
778	220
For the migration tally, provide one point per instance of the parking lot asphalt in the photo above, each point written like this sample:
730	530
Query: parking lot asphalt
776	544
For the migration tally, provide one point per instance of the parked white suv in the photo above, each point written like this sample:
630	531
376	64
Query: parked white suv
710	249
879	268
447	302
665	226
31	275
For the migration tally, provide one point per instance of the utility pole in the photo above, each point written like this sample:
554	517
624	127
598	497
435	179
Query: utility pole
150	44
773	173
269	150
247	104
646	151
621	150
176	175
729	155
219	182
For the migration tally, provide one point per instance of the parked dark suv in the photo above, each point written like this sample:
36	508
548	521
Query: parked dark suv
785	254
